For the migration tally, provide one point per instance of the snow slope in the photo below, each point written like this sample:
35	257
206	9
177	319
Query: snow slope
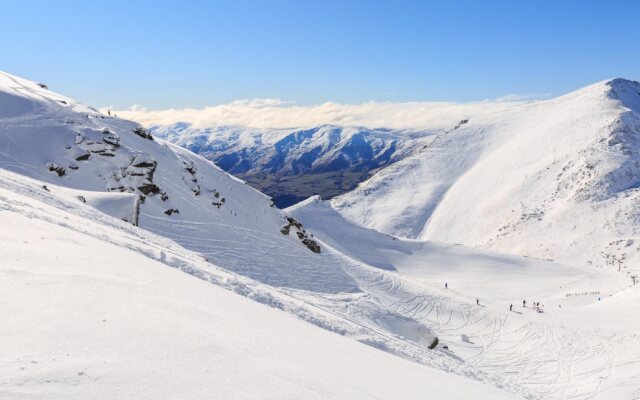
484	273
553	179
185	199
183	196
92	309
583	344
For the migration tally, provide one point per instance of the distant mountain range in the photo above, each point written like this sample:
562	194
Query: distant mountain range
291	165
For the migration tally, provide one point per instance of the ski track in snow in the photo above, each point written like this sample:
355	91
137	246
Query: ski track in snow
552	361
318	309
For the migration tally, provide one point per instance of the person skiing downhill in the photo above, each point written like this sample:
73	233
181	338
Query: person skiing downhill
524	303
511	307
446	285
477	302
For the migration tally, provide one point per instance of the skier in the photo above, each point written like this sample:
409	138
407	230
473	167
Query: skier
477	302
524	303
511	307
446	286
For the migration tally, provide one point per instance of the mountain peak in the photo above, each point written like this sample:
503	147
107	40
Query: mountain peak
626	91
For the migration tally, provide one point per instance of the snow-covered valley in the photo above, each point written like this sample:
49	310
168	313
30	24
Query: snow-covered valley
217	293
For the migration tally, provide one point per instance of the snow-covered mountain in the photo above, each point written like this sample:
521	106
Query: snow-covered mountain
181	195
552	179
75	183
293	164
116	247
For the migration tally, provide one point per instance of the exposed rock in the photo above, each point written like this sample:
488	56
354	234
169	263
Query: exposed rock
149	188
57	169
292	223
83	157
172	211
113	141
312	245
143	133
104	152
146	164
301	233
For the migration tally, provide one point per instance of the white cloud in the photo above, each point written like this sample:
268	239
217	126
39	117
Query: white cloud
274	113
522	97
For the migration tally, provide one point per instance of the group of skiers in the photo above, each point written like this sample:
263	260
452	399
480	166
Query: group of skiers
536	305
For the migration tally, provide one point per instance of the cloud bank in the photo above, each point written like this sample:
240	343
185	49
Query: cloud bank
274	113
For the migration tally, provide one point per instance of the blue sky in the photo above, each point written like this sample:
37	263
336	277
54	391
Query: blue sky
196	53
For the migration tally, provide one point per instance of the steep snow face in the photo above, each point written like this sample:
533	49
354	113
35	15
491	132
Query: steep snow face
552	179
182	196
92	309
292	164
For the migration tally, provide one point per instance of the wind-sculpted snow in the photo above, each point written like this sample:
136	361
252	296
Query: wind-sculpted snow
555	179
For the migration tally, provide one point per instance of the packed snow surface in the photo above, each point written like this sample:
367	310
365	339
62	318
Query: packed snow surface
580	343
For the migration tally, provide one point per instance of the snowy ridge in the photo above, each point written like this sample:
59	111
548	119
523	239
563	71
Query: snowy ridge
550	179
183	196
